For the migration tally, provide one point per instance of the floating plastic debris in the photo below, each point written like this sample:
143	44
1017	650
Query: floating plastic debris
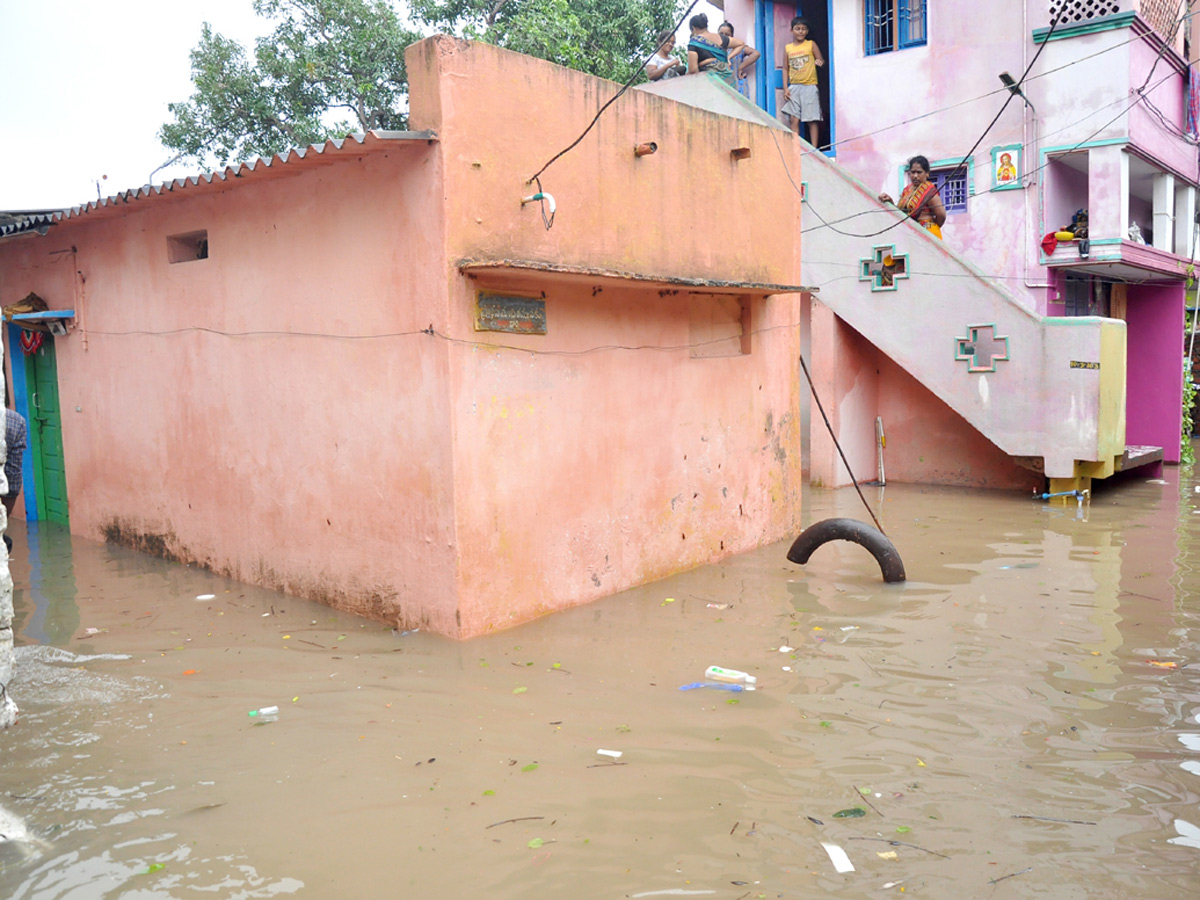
837	856
1189	834
206	596
264	715
716	686
613	754
716	673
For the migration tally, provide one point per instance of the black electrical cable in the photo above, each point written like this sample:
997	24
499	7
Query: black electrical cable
1012	92
632	78
845	461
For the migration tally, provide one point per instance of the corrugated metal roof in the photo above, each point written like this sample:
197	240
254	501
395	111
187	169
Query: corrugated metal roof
20	222
295	159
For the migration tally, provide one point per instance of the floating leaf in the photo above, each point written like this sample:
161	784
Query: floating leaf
854	812
155	867
866	792
826	724
733	700
489	793
556	666
887	854
903	829
535	843
624	729
520	690
529	768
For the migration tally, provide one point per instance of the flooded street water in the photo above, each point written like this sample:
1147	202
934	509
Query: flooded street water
1020	719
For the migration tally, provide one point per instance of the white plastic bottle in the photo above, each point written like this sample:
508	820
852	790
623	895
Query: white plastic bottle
730	676
264	715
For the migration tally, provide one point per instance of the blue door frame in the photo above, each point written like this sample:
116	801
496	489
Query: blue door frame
770	79
20	397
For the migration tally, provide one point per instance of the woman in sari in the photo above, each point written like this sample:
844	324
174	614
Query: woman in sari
708	52
920	199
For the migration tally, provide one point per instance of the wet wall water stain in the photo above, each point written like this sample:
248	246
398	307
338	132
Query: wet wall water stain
161	544
379	602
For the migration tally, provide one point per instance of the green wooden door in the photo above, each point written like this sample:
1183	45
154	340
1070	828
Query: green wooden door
45	434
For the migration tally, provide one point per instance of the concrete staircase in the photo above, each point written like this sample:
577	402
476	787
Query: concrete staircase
1049	392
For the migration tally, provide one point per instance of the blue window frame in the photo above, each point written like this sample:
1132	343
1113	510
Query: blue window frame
952	190
893	25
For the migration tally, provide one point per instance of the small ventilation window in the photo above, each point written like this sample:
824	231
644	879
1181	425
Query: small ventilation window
187	247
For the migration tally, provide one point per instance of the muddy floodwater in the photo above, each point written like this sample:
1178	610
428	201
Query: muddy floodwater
1020	719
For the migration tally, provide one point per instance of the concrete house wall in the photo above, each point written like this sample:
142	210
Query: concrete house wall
311	408
1102	130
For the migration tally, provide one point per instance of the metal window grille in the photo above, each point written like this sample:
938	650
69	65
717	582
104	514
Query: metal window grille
1164	16
879	26
952	190
1083	10
893	25
911	15
1083	295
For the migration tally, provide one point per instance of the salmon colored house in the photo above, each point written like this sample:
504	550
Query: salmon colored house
369	374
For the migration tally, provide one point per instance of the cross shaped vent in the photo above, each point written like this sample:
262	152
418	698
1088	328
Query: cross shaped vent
982	348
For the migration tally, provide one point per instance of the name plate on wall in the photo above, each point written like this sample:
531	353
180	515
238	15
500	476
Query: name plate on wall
519	315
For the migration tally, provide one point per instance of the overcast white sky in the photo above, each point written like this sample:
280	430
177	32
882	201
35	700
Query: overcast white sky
85	88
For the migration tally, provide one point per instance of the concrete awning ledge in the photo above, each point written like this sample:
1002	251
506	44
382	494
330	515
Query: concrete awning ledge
512	272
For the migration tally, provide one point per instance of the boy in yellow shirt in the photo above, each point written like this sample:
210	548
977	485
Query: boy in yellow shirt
802	102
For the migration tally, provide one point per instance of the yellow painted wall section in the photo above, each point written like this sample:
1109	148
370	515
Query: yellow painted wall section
1111	438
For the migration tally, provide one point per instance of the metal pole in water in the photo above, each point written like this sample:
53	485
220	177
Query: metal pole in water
881	441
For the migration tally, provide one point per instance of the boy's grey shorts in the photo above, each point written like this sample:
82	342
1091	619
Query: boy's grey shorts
804	103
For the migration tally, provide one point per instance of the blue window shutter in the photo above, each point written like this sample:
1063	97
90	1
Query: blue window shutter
912	32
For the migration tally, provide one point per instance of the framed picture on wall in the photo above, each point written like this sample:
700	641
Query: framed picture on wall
1006	167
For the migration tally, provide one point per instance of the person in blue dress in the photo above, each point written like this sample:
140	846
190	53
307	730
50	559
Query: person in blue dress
741	61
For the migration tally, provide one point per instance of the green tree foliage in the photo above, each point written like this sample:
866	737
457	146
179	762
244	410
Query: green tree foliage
323	56
602	37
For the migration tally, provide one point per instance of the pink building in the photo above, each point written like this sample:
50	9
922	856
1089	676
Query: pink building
1101	125
367	373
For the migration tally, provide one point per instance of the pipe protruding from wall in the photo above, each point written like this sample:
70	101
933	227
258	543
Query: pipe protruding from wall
884	551
740	153
645	149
